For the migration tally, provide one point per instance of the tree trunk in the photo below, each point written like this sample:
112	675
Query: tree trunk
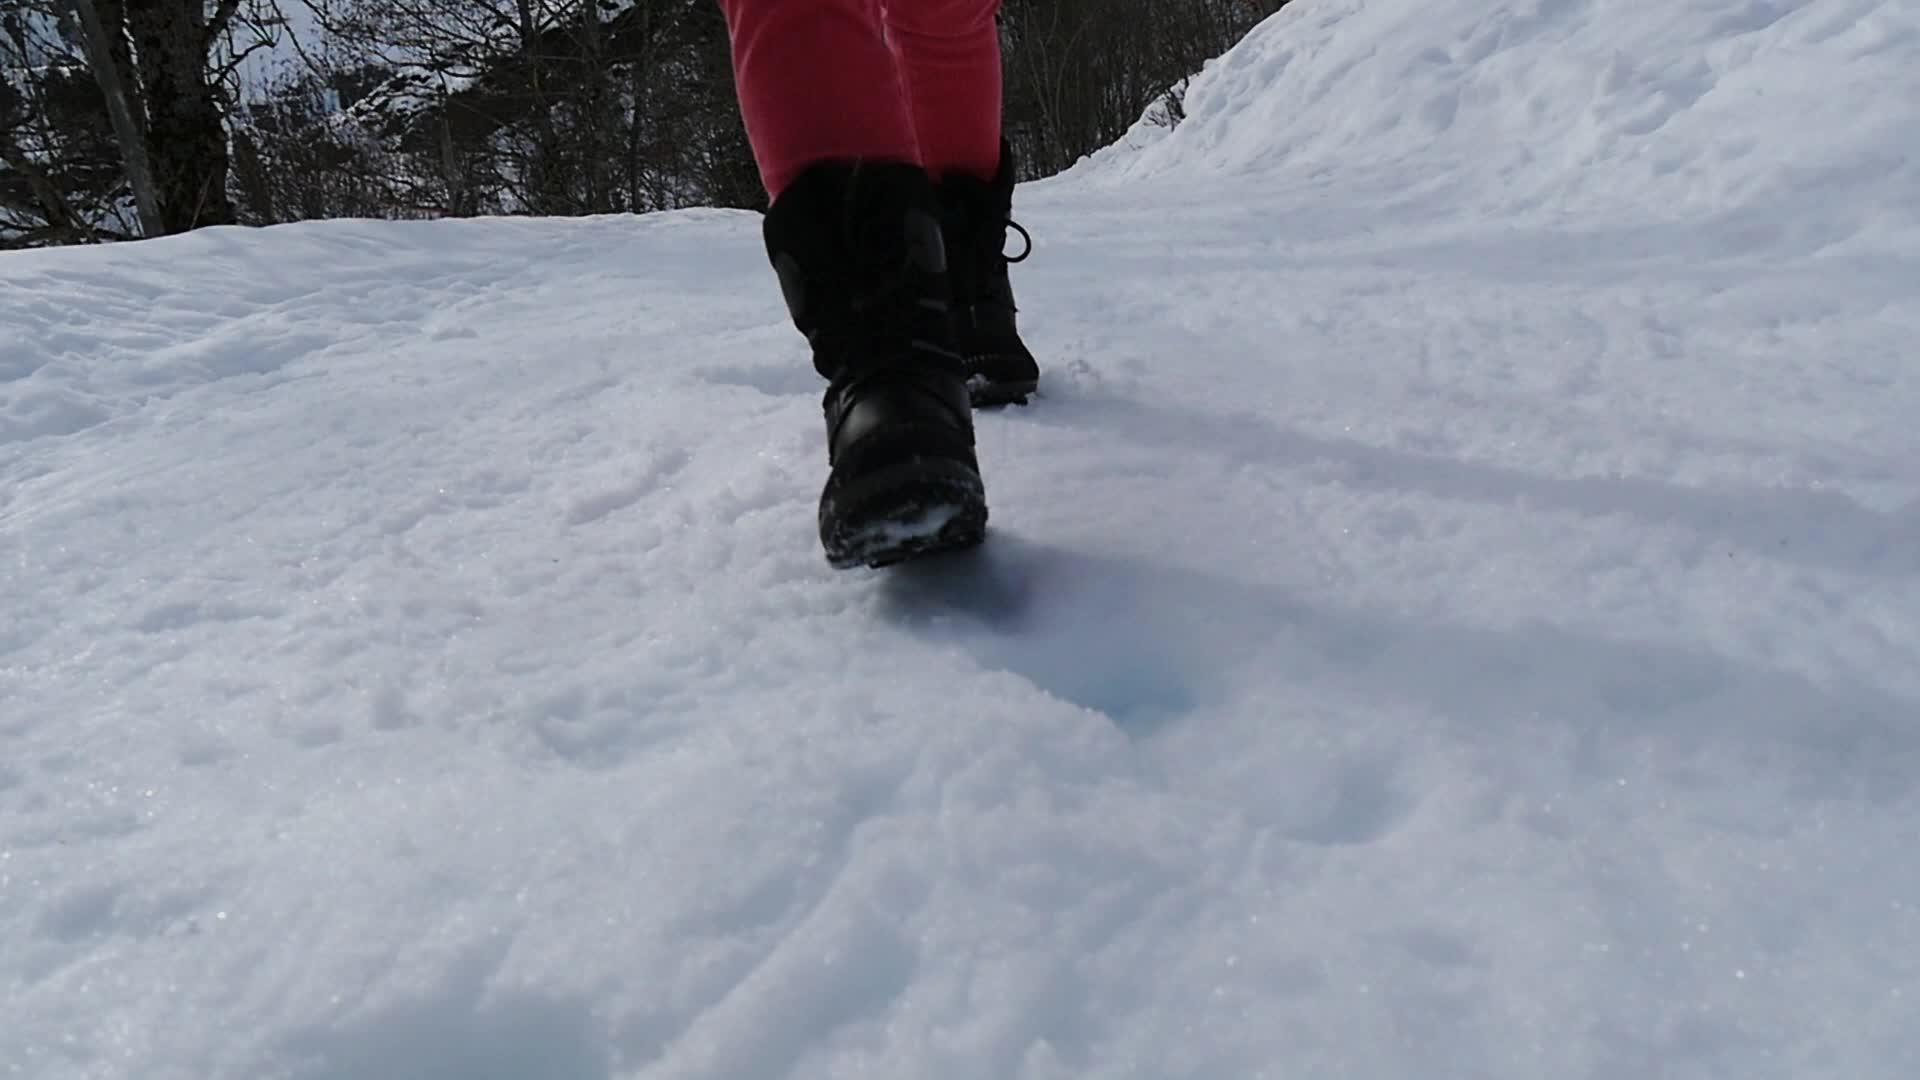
186	134
111	72
596	97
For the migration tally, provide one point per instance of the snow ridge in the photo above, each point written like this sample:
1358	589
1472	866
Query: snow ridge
1565	109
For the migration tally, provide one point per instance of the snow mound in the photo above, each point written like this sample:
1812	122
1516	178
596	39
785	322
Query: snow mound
1573	108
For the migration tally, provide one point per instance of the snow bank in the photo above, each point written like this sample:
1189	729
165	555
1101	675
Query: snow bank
1796	113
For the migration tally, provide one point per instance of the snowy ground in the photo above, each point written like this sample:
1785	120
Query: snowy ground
1456	612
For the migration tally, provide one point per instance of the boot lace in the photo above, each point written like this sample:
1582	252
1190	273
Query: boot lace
1026	243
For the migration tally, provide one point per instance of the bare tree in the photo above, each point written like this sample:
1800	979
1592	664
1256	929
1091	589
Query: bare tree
186	135
158	68
61	179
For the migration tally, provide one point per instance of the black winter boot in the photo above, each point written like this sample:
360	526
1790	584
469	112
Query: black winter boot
862	265
975	216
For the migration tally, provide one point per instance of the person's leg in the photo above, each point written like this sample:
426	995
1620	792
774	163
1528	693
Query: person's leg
817	81
949	54
854	235
950	61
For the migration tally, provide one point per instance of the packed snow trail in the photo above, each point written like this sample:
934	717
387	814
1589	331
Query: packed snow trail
1455	613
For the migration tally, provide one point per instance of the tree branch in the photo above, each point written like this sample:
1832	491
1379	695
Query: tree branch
233	65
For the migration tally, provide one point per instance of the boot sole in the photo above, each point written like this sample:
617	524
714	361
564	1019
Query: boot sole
903	512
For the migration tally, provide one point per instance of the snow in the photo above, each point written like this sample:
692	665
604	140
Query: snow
1454	613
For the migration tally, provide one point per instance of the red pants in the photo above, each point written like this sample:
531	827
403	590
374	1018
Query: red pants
892	80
